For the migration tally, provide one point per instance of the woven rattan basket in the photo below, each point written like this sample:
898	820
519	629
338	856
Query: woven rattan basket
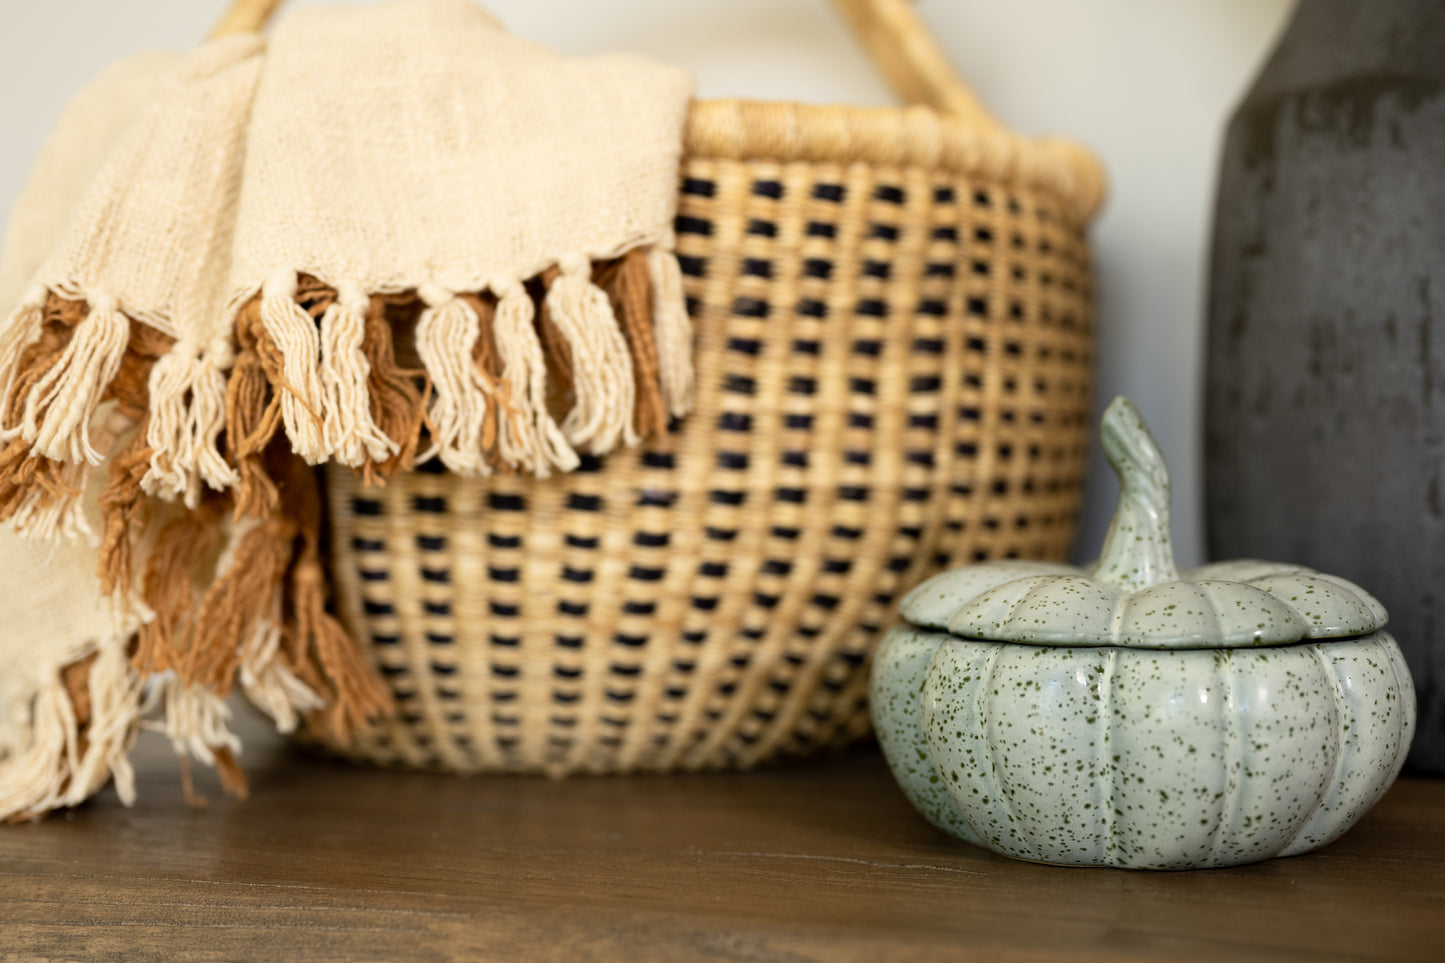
894	357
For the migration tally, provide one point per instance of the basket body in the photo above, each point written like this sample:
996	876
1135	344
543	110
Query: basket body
894	376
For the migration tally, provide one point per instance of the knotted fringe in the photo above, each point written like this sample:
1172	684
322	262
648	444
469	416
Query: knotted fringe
175	568
58	409
122	511
398	406
21	329
602	380
627	285
351	434
605	363
501	386
268	683
253	412
297	378
530	438
39	495
186	416
446	338
81	727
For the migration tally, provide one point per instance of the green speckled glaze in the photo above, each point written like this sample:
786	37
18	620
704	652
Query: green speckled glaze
1103	756
1133	596
1128	715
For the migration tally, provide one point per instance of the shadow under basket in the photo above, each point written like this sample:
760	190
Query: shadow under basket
894	353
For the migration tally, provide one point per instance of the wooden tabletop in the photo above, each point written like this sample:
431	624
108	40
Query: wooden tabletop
822	861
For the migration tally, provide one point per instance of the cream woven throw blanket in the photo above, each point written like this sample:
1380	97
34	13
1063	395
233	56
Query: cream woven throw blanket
380	235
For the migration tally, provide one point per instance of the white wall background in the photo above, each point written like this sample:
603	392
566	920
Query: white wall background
1148	85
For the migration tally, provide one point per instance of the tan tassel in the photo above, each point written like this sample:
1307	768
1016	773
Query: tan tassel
253	414
27	481
358	694
398	406
295	336
673	331
352	437
445	337
36	361
238	599
169	589
530	439
121	507
59	408
628	286
19	331
52	509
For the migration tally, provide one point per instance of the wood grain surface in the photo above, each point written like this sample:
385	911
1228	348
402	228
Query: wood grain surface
824	861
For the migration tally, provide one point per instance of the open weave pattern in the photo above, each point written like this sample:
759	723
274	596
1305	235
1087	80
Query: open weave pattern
894	368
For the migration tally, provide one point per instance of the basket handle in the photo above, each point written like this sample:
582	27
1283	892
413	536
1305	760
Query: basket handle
905	51
895	37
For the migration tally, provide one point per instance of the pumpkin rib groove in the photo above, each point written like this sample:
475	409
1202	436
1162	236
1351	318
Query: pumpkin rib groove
1232	751
1000	779
1106	694
1405	687
1330	788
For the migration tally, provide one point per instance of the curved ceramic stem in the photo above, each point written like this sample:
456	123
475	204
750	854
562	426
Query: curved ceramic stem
1137	551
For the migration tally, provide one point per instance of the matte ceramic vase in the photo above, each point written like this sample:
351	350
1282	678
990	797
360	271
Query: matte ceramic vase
1325	410
1131	715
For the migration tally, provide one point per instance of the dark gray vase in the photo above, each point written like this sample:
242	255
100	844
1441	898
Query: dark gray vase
1325	409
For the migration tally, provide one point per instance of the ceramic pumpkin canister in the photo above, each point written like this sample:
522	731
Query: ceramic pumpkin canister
1127	714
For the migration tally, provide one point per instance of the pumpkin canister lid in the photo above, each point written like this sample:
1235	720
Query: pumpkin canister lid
1133	596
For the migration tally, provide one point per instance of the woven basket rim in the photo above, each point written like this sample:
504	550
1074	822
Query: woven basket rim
915	136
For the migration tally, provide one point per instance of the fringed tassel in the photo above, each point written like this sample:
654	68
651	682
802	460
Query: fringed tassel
58	410
31	487
358	696
53	509
271	578
319	648
115	691
197	723
121	507
181	547
78	731
445	338
601	415
627	284
253	414
530	439
673	331
294	335
351	435
236	601
268	682
398	406
187	414
19	331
